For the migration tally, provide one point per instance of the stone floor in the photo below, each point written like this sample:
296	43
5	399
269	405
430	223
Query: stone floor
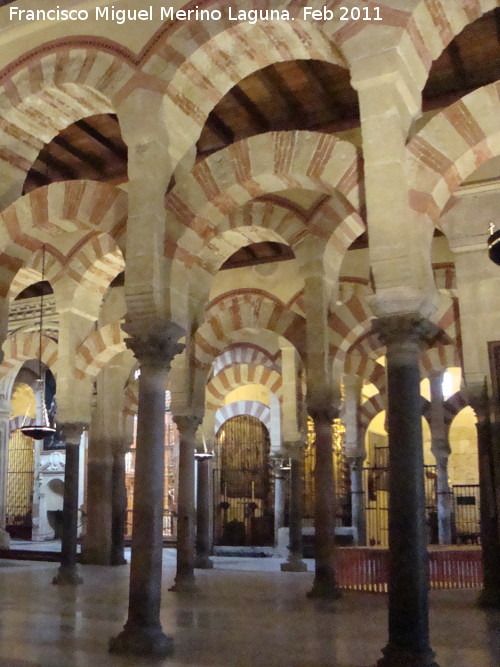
247	614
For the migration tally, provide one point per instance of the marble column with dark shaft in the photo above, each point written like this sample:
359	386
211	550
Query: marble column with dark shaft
358	506
68	570
408	646
489	514
325	582
294	562
184	577
142	633
441	450
118	508
203	502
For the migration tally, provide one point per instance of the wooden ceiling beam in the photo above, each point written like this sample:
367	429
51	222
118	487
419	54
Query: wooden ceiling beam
96	162
102	139
278	87
52	162
458	64
38	177
219	127
258	119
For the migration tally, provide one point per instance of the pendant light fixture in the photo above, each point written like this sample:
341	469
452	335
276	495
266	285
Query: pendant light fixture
41	428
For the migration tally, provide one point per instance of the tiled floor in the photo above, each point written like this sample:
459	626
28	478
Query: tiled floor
247	614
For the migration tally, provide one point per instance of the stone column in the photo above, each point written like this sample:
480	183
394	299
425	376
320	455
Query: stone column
325	584
490	532
403	336
96	546
440	447
358	506
68	570
203	502
142	633
280	476
184	578
355	453
118	507
294	562
4	456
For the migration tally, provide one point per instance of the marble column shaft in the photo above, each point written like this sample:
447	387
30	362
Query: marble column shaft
325	584
96	547
203	502
408	564
184	578
358	507
280	485
68	571
142	633
118	509
294	562
489	518
440	447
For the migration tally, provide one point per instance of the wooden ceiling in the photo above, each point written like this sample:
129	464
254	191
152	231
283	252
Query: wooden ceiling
301	94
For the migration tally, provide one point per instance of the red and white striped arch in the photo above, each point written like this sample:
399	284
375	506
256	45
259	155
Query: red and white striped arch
97	210
245	309
451	146
24	346
65	206
231	377
222	183
370	409
260	411
48	89
98	349
245	353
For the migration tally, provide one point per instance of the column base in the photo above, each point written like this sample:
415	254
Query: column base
293	565
119	561
142	641
4	539
184	586
489	599
324	590
67	576
203	563
396	656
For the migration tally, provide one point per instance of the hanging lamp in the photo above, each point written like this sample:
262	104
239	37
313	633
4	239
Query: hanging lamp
39	431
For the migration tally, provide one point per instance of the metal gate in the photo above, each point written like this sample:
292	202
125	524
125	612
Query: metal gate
243	488
376	488
340	472
466	508
20	477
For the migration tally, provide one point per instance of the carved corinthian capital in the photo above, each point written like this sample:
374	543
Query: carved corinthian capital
154	350
407	331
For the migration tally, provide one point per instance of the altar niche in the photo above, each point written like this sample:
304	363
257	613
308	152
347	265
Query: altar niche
243	489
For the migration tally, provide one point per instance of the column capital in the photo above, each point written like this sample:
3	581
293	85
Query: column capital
187	423
407	331
355	462
71	432
155	350
323	403
323	412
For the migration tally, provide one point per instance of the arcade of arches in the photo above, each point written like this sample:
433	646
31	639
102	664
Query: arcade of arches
265	241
